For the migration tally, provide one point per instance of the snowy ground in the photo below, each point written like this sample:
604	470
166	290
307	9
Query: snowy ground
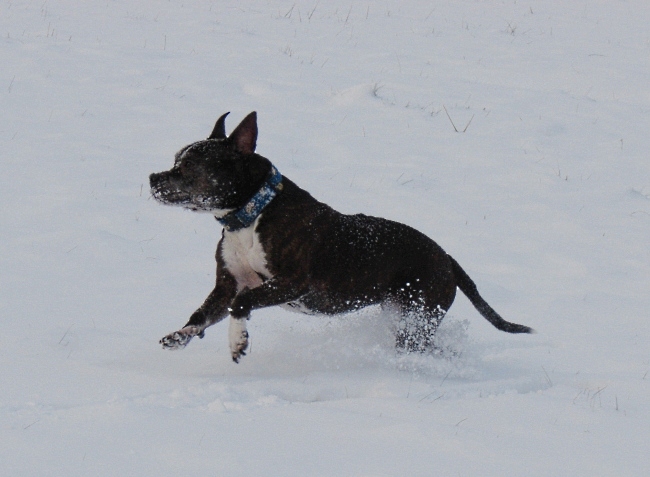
543	196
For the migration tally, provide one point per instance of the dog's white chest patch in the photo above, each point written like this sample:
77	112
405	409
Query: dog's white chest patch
244	257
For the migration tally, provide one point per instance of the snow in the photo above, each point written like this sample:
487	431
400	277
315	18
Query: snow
544	199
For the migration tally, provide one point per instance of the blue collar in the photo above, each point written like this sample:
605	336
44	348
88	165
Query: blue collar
244	217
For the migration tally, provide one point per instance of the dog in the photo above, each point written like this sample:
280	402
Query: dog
280	246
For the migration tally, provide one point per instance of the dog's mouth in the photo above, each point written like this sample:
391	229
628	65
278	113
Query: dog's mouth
180	198
166	192
204	204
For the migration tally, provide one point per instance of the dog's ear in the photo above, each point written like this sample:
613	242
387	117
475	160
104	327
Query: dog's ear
219	131
244	137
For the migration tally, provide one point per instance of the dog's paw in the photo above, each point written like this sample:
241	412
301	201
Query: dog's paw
238	336
179	339
238	347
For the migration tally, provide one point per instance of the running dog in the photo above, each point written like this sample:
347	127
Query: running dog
280	246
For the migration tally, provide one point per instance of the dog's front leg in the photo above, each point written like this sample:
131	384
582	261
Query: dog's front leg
270	293
238	338
213	310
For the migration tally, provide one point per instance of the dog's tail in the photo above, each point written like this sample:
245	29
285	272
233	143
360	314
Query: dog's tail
468	287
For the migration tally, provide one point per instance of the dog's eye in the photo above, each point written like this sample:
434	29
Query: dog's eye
188	172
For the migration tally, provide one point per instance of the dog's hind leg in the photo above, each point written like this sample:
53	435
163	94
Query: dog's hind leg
416	329
423	304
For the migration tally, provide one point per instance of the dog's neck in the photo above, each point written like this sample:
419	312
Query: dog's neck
245	216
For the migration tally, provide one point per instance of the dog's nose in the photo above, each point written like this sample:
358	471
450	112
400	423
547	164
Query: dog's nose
153	179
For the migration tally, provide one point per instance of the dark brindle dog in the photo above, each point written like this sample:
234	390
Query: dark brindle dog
280	246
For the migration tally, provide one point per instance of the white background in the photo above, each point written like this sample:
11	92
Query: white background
544	199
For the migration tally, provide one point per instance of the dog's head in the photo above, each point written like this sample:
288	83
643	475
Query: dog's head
216	175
